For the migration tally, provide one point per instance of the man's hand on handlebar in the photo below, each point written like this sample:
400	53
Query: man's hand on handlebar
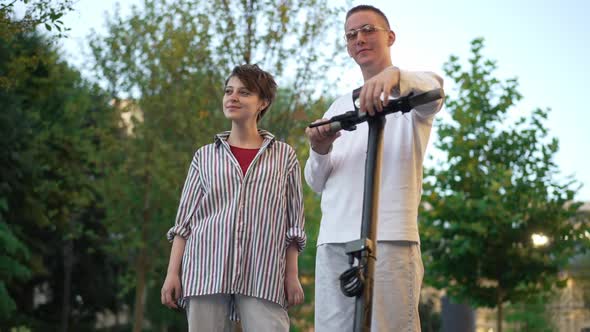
321	138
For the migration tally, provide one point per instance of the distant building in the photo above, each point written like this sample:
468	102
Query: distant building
130	113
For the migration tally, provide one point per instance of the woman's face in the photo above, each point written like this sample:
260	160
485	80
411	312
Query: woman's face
239	103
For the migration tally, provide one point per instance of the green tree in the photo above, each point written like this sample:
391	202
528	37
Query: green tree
14	253
496	188
47	13
35	12
166	63
12	265
531	315
51	123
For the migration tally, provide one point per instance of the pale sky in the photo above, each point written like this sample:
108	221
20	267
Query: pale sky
545	44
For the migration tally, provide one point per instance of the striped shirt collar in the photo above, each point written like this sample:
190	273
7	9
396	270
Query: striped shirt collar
267	136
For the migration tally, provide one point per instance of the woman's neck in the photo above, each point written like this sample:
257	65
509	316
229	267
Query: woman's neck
244	136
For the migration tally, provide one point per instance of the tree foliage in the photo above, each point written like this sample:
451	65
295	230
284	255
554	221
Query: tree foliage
531	315
497	187
51	122
34	13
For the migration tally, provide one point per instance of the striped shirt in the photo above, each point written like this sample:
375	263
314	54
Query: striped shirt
238	226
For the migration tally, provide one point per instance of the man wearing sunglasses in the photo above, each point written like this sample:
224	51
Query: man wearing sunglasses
335	169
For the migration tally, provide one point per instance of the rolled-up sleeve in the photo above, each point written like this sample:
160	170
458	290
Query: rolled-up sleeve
295	213
189	200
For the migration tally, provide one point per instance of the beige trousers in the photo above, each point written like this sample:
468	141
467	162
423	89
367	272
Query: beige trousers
396	294
211	313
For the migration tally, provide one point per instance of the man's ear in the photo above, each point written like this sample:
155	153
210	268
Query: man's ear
390	38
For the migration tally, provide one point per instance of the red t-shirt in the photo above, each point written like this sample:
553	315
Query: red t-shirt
244	156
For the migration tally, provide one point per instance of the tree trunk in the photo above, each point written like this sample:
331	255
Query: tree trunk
249	31
142	263
68	261
139	290
499	314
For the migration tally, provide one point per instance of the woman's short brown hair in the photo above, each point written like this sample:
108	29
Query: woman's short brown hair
258	81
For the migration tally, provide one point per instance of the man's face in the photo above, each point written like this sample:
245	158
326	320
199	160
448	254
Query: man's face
372	47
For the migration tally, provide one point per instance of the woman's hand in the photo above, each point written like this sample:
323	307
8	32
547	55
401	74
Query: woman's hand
293	290
171	291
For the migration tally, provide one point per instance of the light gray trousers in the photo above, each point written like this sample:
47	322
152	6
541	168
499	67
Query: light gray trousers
211	313
396	293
